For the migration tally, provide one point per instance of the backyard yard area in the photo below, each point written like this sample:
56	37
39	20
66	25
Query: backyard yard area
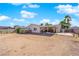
38	45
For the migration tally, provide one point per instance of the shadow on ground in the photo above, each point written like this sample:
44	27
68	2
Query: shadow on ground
42	34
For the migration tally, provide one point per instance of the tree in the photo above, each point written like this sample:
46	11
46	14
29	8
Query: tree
65	24
46	24
18	30
41	24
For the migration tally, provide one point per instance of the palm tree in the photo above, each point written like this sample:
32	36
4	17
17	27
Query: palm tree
46	24
41	24
65	24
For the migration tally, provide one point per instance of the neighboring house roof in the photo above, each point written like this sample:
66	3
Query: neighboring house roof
22	27
75	29
5	27
33	25
42	26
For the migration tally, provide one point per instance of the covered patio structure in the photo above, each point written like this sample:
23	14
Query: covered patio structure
47	29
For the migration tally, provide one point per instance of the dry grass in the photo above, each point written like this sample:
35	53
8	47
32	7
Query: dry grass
29	44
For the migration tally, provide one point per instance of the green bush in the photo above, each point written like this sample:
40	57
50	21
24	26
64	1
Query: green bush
22	31
18	30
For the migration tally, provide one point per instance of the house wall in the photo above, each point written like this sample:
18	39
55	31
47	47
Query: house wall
58	28
31	27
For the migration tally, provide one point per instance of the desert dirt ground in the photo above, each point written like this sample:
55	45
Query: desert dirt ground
37	45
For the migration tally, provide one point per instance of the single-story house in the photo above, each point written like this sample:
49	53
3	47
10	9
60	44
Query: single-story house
34	28
40	29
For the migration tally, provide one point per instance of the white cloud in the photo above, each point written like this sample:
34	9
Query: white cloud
18	20
68	9
27	14
3	17
12	24
16	4
33	6
24	6
56	21
45	21
30	5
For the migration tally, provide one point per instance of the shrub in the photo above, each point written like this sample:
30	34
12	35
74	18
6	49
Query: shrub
18	30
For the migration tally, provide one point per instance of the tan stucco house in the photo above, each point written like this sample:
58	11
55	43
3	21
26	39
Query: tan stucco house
34	28
39	29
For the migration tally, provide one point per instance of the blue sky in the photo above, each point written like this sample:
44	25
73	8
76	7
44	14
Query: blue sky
24	14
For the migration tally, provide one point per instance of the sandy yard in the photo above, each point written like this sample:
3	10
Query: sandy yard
37	45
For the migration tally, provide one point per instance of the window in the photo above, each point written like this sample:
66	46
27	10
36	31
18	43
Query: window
35	29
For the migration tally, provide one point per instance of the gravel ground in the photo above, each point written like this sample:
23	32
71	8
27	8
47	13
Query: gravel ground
37	45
